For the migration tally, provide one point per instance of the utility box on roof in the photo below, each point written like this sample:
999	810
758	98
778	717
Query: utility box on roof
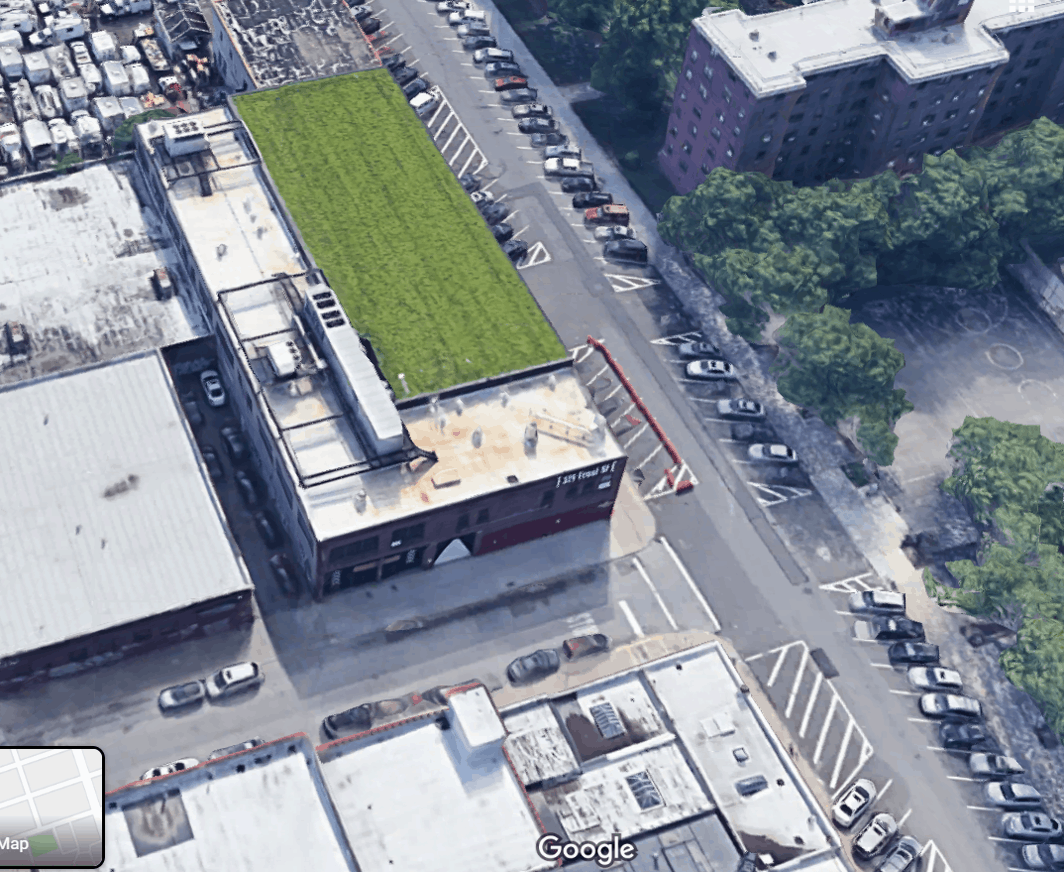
475	721
184	136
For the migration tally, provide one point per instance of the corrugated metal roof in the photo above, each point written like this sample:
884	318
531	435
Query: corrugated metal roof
108	516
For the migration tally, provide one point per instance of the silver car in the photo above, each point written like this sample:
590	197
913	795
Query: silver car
901	856
771	453
877	602
1012	796
611	232
181	695
236	749
876	836
1031	827
950	706
567	150
856	801
740	408
233	679
710	369
1043	856
995	767
935	678
212	388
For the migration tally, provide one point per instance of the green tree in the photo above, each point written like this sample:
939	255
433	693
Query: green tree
1035	664
594	15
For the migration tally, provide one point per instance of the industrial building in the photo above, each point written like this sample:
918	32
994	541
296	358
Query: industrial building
367	487
113	537
850	88
259	45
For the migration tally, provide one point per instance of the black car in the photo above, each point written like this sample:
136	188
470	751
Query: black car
534	666
913	652
285	573
577	184
592	200
886	629
192	412
352	720
521	95
502	68
393	62
469	183
515	249
266	524
234	443
472	43
502	232
542	140
370	25
414	87
629	250
967	738
213	464
495	212
537	125
248	489
404	75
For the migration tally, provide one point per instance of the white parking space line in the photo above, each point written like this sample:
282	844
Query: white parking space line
639	432
518	233
922	721
450	138
853	584
1010	841
886	787
488	185
501	197
797	683
867	641
537	163
824	731
598	374
810	704
905	693
611	393
393	39
904	818
512	133
841	612
511	215
841	755
687	576
654	590
628	616
649	457
964	778
526	148
559	193
936	748
582	624
414	61
982	808
733	441
881	665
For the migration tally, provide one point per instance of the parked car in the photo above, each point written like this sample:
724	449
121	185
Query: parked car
472	28
534	666
182	695
1031	827
415	87
404	75
469	182
901	856
361	12
549	140
393	62
285	574
854	803
515	249
453	5
502	232
161	282
467	16
482	198
361	717
212	388
935	678
266	524
710	369
894	629
490	55
537	125
472	43
587	199
613	213
875	837
950	706
1043	856
192	412
524	95
370	25
627	250
502	68
773	453
967	738
740	407
170	768
579	184
1005	794
562	149
510	83
247	488
234	443
233	679
532	110
495	212
913	652
877	602
213	464
582	646
611	232
236	749
994	767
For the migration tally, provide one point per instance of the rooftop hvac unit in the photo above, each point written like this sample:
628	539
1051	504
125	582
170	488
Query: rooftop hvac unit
284	358
184	136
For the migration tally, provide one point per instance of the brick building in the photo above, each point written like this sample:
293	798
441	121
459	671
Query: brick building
850	88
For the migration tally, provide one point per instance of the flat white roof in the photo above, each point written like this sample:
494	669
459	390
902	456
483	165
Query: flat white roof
80	282
275	814
410	801
832	33
108	516
474	713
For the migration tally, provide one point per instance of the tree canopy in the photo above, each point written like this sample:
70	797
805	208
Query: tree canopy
594	15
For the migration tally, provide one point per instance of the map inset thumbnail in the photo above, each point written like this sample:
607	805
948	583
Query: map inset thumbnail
51	808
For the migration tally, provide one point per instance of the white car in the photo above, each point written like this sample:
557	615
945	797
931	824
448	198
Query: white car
468	15
876	836
567	150
42	38
234	679
1005	794
611	232
170	768
710	369
181	695
740	408
699	349
1043	856
212	388
854	803
935	678
771	453
236	749
453	5
950	706
994	767
877	602
492	55
1031	827
482	198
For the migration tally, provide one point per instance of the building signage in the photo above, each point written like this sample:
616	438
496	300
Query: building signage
584	474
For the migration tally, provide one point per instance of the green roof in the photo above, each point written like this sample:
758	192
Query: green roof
414	265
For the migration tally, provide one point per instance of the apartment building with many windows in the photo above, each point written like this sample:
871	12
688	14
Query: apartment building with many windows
850	88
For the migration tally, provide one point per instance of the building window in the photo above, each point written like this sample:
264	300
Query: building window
766	138
694	129
736	132
483	516
741	114
683	96
711	153
406	535
354	549
760	155
966	125
921	138
707	72
797	116
1020	83
547	500
702	92
1042	43
897	143
668	148
813	130
938	101
720	117
805	150
687	74
791	137
944	132
715	133
928	120
572	492
683	169
705	168
971	111
686	147
859	104
921	86
867	84
914	104
951	114
730	152
463	522
801	99
673	131
727	95
694	55
696	112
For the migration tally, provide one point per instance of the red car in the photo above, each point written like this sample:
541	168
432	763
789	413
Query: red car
610	214
510	83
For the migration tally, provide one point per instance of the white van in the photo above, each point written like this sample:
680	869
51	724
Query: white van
467	16
425	104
